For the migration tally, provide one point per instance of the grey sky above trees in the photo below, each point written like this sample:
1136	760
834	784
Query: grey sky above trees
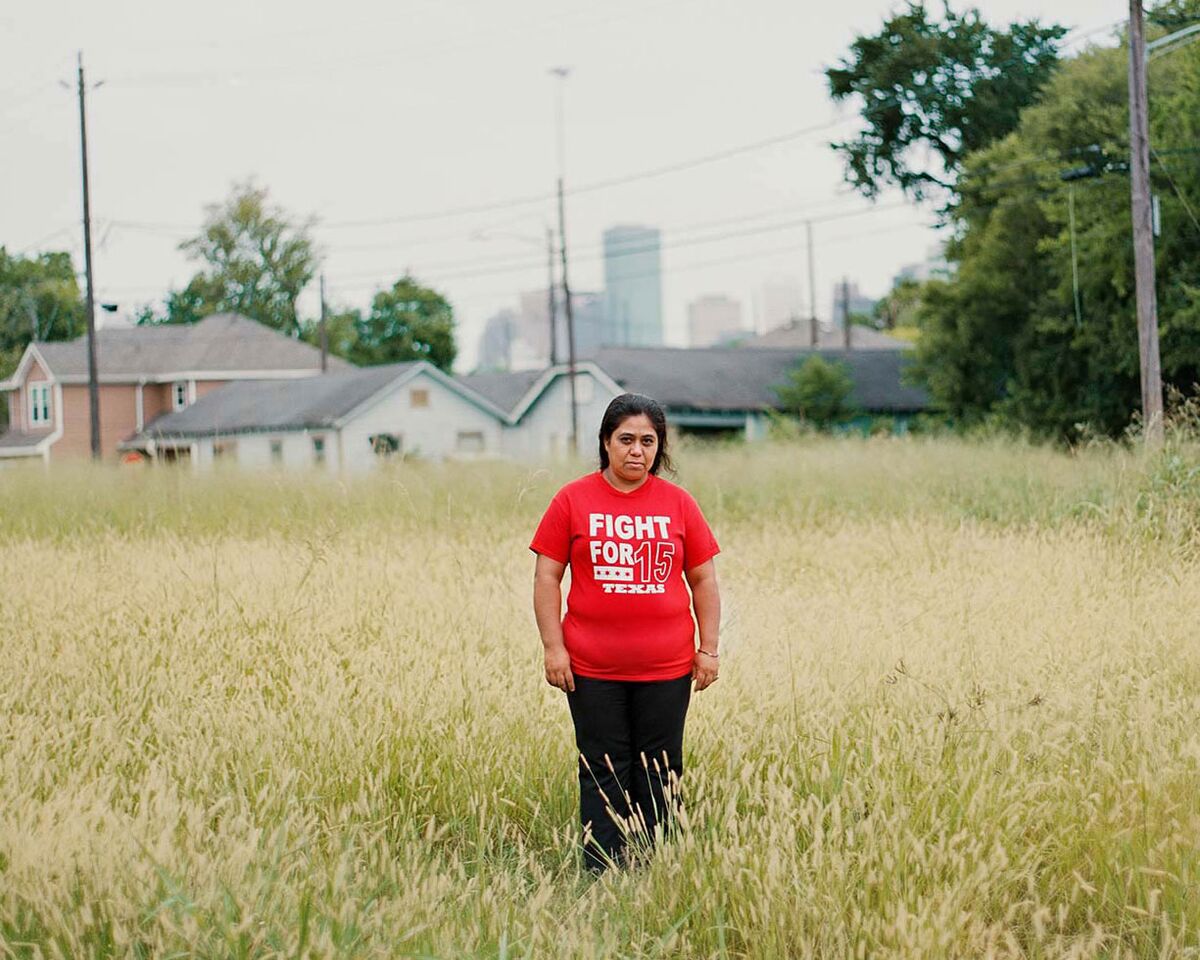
370	111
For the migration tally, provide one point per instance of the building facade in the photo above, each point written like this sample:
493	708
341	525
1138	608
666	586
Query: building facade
633	312
714	320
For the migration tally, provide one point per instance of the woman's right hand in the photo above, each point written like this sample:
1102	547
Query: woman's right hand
558	668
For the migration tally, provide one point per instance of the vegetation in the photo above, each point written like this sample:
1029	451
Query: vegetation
942	89
818	391
278	715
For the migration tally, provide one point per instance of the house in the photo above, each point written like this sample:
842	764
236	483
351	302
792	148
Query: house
357	418
142	373
732	389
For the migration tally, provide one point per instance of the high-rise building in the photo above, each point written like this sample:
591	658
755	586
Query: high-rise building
632	287
714	320
777	301
496	342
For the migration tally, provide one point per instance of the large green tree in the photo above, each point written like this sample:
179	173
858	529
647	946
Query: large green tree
39	300
932	91
1038	325
257	258
818	390
406	322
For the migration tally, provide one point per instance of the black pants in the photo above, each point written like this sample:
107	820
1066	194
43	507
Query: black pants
630	739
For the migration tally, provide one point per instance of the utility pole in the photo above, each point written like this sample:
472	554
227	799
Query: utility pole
93	377
813	338
1143	235
562	73
324	330
551	305
846	312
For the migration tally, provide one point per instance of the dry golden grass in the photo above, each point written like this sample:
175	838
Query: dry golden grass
262	717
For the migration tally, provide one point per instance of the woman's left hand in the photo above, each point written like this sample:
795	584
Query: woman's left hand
704	670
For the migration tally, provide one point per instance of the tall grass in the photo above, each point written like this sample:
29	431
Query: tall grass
279	716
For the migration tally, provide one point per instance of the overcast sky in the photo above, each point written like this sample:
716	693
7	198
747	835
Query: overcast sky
381	119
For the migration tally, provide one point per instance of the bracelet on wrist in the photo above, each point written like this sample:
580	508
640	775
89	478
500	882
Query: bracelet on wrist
715	656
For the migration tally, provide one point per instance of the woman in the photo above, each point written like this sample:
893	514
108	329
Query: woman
626	653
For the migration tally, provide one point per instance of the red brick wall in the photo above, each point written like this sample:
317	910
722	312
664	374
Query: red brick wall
156	400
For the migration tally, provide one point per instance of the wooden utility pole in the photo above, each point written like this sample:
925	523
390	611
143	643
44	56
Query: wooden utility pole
90	306
551	304
1143	232
813	337
846	312
324	330
566	286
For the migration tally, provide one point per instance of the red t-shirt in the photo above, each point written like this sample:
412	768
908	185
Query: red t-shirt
629	612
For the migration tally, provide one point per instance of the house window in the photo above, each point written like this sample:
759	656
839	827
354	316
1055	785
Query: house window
418	398
385	444
277	451
318	449
469	441
224	449
39	404
179	395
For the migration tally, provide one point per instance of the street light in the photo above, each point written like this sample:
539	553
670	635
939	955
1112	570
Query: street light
561	73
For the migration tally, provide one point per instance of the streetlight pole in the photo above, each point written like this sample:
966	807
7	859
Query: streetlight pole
562	73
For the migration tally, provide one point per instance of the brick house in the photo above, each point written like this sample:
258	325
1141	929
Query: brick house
143	372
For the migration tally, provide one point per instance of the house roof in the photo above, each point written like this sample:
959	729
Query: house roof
16	442
220	344
505	389
742	378
797	334
304	403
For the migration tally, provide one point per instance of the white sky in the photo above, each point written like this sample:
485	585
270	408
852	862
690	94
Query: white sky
369	110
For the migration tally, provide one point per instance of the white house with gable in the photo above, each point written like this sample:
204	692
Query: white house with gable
353	420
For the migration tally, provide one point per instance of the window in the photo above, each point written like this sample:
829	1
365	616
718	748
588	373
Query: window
470	441
318	449
277	451
418	398
39	405
385	444
179	391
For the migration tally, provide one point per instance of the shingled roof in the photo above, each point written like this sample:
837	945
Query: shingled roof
741	378
223	343
504	389
250	406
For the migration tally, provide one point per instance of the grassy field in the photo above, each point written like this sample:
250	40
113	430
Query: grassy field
260	717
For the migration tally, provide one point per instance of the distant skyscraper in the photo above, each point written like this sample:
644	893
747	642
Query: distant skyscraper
496	343
777	301
714	320
633	287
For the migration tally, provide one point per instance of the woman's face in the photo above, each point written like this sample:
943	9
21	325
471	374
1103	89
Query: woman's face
632	448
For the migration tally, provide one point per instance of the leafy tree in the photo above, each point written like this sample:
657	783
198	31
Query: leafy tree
1004	339
341	332
407	322
818	390
951	87
39	300
899	306
257	258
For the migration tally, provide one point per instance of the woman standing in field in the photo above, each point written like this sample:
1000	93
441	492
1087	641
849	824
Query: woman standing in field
626	652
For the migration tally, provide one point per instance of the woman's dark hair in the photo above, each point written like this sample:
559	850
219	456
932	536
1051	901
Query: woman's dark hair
631	405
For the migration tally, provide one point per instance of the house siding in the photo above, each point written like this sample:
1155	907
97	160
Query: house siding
544	431
430	432
118	419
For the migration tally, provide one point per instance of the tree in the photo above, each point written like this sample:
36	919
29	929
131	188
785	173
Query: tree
818	390
407	322
39	300
952	87
258	260
1005	338
899	306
